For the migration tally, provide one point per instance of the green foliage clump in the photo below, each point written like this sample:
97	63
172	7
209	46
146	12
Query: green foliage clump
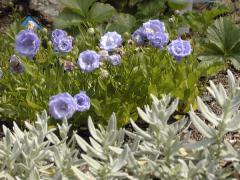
161	151
223	43
89	13
143	70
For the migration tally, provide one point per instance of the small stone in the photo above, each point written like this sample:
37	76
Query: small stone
48	8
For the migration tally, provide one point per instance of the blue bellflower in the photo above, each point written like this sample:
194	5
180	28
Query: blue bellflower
110	41
179	48
88	61
83	101
62	106
27	43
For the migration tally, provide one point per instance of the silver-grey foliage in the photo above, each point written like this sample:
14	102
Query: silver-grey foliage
160	151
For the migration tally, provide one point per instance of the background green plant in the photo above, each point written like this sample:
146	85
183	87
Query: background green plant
108	15
223	43
90	13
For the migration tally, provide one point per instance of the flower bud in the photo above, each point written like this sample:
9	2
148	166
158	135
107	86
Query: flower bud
91	31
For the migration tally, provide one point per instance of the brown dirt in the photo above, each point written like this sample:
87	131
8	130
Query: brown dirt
233	137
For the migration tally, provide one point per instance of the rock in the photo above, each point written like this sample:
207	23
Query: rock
5	4
48	8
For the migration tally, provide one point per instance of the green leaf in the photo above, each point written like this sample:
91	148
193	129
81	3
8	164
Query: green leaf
97	106
32	104
122	23
178	4
102	84
101	12
224	43
67	18
82	6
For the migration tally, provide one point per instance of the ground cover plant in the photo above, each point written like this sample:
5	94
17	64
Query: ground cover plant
117	79
161	151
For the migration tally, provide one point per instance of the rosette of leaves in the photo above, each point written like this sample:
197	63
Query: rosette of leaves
106	155
37	153
156	149
89	13
219	125
223	43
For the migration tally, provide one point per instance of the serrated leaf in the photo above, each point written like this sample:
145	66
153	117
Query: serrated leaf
224	42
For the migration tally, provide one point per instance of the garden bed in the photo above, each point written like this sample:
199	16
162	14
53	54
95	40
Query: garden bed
120	90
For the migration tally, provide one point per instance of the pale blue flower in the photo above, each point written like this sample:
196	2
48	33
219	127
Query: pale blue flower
153	27
138	36
27	43
88	61
115	59
179	48
83	101
110	41
62	106
158	40
63	45
57	34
